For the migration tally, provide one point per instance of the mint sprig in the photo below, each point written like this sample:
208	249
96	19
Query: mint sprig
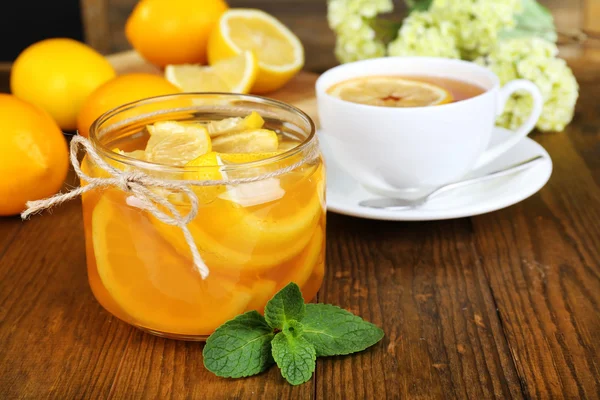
295	356
291	334
335	332
286	305
240	347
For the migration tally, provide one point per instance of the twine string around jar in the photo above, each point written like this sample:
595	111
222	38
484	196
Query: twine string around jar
139	184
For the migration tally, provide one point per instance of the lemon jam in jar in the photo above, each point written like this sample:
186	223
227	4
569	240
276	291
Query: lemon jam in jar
254	237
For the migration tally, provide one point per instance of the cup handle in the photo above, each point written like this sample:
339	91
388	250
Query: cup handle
505	92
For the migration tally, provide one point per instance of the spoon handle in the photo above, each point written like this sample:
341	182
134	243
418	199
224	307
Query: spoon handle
523	165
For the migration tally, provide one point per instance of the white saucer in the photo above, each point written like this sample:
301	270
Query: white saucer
344	193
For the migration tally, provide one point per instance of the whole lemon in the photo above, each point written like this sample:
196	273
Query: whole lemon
173	32
58	75
33	154
118	91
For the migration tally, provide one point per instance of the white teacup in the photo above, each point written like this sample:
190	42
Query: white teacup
404	152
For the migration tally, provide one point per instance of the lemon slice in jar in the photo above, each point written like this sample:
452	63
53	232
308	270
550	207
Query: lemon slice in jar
302	267
236	238
235	124
250	141
206	168
176	143
390	91
156	286
263	290
246	194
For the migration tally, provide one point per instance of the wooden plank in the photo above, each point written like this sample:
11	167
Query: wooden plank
591	16
567	14
584	132
95	15
48	313
541	257
130	61
423	283
9	228
156	368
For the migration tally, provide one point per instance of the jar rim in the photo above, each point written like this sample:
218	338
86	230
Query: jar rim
105	151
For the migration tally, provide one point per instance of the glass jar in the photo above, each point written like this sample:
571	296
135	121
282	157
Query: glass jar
254	237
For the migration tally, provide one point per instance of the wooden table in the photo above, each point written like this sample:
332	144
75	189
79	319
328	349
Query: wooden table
502	305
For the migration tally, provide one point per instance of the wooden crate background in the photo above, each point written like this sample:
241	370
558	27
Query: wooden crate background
104	22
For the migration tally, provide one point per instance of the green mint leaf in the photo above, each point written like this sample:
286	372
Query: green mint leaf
292	328
240	347
534	20
295	357
287	304
335	331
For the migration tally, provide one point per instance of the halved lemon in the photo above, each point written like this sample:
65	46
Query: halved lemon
280	53
251	141
176	143
390	91
151	282
235	124
235	74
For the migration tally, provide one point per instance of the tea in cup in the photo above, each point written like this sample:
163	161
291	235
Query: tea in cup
402	126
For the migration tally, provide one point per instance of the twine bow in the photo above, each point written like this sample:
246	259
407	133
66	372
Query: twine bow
138	184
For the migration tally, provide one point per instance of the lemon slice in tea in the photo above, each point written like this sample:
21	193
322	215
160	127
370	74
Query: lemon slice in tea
176	143
390	91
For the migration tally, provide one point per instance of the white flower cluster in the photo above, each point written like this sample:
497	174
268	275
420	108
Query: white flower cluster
351	22
424	34
478	22
534	59
455	28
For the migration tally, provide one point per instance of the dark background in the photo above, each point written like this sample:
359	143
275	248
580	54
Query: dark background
23	22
